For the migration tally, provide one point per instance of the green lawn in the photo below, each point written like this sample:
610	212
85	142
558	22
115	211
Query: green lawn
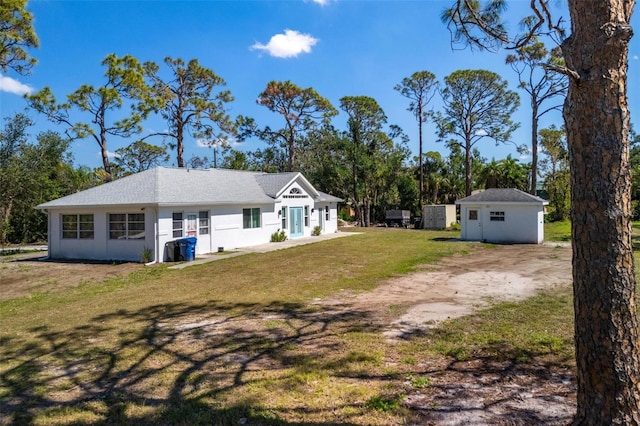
240	339
557	231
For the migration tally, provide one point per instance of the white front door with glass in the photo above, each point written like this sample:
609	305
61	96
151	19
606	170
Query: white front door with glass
192	225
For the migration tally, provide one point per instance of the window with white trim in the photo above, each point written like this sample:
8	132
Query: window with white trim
496	216
283	214
178	224
306	215
77	226
203	222
126	226
326	212
251	218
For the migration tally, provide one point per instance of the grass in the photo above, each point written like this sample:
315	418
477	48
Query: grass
557	231
516	332
239	340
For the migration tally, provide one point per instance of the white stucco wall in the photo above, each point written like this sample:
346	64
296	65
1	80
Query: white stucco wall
329	225
314	209
100	247
524	223
225	227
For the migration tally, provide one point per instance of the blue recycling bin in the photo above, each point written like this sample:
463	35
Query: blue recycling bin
187	248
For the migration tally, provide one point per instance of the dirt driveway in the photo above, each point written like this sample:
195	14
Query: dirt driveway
458	285
476	392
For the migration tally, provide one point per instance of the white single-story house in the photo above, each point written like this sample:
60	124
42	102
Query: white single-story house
502	215
223	209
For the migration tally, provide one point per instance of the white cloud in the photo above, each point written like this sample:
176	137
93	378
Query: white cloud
287	45
110	154
8	84
320	2
221	142
636	57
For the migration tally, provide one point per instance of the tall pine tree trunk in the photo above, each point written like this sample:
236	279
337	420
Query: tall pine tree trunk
105	156
597	120
533	188
467	167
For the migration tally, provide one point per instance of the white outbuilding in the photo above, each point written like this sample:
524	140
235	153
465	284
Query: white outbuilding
502	215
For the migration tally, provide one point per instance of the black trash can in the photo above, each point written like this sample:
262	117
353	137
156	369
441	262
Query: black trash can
187	248
172	251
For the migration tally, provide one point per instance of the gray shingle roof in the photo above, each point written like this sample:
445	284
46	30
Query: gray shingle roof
327	198
502	195
272	183
179	186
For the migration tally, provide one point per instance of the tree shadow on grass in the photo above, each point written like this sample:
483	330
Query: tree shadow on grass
211	363
497	382
226	364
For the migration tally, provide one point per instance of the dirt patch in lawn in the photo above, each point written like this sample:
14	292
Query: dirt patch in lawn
459	285
478	392
27	273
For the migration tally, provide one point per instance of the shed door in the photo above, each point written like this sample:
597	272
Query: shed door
473	220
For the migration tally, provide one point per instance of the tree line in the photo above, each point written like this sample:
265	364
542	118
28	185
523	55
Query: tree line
368	163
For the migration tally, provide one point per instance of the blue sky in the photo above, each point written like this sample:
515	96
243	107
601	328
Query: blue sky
338	47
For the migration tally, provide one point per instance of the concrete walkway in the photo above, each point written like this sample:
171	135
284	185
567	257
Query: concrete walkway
262	248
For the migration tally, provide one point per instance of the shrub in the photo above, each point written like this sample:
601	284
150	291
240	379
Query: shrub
147	255
317	231
278	236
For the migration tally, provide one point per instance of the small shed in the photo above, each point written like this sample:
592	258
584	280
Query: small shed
503	215
439	216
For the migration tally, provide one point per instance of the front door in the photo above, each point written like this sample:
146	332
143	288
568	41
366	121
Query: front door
321	218
473	221
192	225
295	220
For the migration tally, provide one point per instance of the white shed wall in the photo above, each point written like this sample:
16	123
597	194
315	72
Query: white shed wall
522	223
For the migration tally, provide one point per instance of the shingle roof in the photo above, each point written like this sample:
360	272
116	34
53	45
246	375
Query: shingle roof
327	198
502	195
272	183
180	186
